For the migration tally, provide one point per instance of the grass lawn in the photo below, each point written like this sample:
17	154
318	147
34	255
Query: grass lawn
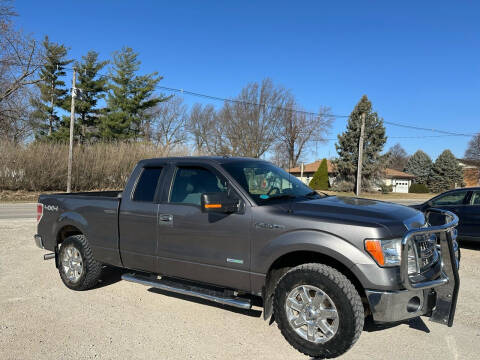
386	197
20	195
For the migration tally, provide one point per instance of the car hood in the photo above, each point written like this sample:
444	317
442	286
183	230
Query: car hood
365	211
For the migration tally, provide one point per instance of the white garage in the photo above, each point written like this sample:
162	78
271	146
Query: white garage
399	180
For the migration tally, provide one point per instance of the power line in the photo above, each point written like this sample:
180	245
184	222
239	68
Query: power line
427	129
217	98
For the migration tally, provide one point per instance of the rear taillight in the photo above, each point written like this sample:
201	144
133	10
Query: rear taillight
39	212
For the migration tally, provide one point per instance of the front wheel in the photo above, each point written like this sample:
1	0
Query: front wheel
76	265
318	310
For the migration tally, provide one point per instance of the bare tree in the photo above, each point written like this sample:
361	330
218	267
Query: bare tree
20	59
397	157
19	56
299	129
249	125
473	150
201	124
169	120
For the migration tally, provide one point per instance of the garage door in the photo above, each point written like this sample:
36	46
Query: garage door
401	187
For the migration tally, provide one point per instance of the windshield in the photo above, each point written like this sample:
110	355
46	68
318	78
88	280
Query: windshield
266	182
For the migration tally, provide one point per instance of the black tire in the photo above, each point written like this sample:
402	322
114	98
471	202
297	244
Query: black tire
91	269
343	294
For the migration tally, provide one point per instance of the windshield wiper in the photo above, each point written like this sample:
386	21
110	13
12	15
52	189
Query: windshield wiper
314	193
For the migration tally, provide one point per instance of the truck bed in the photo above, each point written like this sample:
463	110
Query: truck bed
94	213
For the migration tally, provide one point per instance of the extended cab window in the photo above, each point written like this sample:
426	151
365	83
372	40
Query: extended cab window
191	182
147	184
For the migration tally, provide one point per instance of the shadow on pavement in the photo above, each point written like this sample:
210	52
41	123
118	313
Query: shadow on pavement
110	275
415	323
251	312
468	244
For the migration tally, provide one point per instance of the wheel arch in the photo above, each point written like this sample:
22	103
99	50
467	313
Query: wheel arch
299	257
66	231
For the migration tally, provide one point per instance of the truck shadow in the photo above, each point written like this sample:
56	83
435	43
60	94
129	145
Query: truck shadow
110	275
251	312
415	323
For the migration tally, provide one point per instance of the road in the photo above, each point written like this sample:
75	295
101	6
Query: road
41	319
17	210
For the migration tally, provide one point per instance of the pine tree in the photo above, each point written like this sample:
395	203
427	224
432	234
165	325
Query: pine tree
130	97
446	173
320	177
420	165
93	88
347	146
52	90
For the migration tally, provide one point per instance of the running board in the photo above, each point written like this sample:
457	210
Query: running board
186	289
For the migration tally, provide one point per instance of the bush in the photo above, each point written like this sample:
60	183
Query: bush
344	186
418	188
320	178
43	166
385	189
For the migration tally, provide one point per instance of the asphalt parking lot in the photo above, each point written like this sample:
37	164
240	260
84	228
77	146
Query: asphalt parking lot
41	319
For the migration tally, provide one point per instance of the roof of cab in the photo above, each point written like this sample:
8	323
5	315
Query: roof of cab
200	159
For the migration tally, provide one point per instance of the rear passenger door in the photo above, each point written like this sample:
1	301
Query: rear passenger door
208	247
138	221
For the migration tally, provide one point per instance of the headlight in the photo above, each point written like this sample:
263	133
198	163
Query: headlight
388	253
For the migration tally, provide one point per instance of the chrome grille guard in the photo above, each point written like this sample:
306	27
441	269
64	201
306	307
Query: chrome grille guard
449	282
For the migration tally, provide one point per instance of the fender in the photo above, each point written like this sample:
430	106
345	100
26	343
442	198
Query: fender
72	219
309	240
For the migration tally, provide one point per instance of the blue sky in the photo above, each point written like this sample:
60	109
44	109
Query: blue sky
418	61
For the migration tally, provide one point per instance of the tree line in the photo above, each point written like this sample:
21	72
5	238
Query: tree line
443	174
118	102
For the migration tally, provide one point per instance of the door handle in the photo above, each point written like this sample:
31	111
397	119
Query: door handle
165	217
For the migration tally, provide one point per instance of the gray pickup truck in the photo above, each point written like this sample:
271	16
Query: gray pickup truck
234	230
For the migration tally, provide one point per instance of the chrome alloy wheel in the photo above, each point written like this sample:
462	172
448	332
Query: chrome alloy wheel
72	263
311	314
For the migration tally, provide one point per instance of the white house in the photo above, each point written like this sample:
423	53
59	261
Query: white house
399	180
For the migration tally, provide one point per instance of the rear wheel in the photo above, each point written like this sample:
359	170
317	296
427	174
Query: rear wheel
76	265
318	310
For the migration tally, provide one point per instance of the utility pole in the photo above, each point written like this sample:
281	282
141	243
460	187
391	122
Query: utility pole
360	155
72	121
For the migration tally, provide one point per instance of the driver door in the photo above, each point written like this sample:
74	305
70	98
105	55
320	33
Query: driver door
208	247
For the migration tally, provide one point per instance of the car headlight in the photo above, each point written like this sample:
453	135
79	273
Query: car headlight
388	253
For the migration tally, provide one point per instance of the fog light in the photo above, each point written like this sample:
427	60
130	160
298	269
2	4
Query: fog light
413	304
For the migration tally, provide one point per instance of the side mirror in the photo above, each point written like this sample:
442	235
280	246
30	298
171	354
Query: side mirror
430	203
219	202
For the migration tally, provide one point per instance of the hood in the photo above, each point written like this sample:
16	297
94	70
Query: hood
358	210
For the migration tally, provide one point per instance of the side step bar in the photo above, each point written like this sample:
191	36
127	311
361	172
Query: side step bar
187	289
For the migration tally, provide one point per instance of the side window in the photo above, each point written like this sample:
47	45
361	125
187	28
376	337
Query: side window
455	198
147	184
191	182
475	199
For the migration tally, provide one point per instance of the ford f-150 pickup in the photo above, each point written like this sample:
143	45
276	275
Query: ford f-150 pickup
232	230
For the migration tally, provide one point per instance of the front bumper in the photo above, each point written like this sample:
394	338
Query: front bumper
38	241
392	306
435	297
